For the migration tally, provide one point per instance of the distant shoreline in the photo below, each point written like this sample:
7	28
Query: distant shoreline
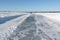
34	11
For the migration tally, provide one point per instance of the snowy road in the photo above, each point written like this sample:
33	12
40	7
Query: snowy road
29	27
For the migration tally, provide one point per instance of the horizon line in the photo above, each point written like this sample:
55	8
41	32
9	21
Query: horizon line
34	11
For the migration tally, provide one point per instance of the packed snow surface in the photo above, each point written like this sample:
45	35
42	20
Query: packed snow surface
28	27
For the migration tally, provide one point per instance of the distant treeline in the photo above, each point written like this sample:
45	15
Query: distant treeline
34	11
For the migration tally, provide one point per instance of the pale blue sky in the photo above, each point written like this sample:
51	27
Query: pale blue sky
30	5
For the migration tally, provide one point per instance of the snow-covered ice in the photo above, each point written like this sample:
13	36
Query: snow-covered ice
29	27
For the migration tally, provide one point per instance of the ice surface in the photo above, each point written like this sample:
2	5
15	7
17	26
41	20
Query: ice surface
3	20
30	27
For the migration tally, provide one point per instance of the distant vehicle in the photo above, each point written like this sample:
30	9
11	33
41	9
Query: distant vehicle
30	12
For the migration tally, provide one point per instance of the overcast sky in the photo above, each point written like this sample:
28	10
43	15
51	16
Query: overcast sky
30	5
